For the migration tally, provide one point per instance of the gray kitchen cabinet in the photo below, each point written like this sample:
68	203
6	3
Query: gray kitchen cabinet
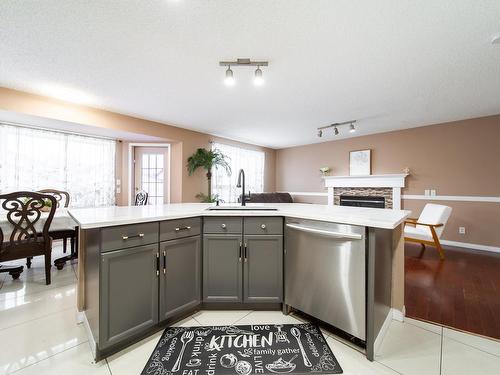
222	268
263	268
180	276
129	293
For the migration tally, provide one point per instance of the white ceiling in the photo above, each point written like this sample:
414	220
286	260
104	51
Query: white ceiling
390	64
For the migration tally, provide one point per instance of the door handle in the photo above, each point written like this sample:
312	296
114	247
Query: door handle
246	252
239	257
340	235
164	262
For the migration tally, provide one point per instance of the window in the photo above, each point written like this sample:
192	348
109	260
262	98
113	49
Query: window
34	159
251	161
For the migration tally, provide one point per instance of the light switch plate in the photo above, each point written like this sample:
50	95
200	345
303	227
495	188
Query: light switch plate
427	192
433	192
118	190
118	182
461	230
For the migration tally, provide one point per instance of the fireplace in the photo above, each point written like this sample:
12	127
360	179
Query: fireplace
362	201
387	186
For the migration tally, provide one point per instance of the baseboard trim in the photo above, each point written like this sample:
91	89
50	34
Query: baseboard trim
86	325
493	249
382	332
398	315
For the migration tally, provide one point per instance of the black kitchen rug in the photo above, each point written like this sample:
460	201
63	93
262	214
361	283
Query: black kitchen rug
242	350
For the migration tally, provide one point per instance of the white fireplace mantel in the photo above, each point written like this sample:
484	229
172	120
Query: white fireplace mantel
394	181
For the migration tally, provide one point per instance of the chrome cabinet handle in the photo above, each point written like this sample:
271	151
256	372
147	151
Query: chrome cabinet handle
239	257
164	262
223	226
246	252
140	235
182	228
263	226
157	264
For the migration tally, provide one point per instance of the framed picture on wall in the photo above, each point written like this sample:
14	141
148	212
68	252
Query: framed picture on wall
360	163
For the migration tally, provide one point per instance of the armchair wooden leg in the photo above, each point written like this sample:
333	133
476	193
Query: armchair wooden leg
65	244
28	262
437	243
47	269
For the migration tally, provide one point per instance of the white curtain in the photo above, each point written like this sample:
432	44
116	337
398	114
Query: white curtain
34	159
251	161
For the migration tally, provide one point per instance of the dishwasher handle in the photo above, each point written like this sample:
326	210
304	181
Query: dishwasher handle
341	235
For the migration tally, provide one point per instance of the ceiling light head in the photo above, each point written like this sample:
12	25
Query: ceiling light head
320	133
495	39
229	80
258	80
352	129
336	131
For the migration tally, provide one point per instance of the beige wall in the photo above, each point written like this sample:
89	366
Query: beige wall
183	142
458	158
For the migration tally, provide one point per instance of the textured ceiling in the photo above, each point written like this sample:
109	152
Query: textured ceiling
390	64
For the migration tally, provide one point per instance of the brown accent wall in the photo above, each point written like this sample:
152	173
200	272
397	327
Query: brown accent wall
183	142
457	158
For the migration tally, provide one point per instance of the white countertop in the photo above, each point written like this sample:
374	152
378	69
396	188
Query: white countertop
88	218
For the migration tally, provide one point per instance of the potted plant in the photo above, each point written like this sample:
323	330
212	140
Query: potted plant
207	159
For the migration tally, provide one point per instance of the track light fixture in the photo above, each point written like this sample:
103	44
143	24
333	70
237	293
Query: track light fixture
258	79
335	126
229	80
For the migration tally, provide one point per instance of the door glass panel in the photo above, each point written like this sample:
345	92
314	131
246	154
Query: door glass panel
152	175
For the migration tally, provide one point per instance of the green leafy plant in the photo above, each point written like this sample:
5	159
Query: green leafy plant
207	160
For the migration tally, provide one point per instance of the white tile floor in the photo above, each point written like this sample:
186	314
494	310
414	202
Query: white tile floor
39	335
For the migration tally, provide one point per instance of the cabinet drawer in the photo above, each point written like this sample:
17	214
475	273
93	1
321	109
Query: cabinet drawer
223	225
173	229
124	236
263	225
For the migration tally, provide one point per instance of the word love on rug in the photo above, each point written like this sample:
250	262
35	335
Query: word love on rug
242	350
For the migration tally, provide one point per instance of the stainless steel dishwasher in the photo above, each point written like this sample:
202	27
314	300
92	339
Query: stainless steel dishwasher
325	273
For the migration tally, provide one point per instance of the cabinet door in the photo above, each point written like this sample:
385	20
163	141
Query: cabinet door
129	293
222	268
180	276
263	268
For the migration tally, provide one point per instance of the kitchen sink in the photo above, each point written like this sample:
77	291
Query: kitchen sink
241	208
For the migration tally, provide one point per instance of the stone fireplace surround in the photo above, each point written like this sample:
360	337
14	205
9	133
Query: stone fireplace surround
387	185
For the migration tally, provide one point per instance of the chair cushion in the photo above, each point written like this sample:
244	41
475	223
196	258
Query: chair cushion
270	198
419	232
435	214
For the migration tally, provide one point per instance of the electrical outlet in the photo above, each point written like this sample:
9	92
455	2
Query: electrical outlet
427	192
118	190
461	230
433	192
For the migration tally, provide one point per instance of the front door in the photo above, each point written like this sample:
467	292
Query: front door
151	172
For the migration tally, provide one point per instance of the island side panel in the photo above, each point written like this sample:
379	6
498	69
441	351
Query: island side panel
398	271
379	280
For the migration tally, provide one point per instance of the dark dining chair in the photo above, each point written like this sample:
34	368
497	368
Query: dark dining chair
141	198
25	233
61	233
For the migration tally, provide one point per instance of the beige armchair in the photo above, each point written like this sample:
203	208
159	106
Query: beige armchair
428	228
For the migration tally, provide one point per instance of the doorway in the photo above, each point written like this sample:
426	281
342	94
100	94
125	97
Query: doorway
150	173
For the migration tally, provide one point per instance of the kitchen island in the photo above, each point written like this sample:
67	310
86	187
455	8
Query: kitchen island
142	268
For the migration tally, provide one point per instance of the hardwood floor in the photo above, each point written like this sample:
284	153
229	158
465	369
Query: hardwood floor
463	291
